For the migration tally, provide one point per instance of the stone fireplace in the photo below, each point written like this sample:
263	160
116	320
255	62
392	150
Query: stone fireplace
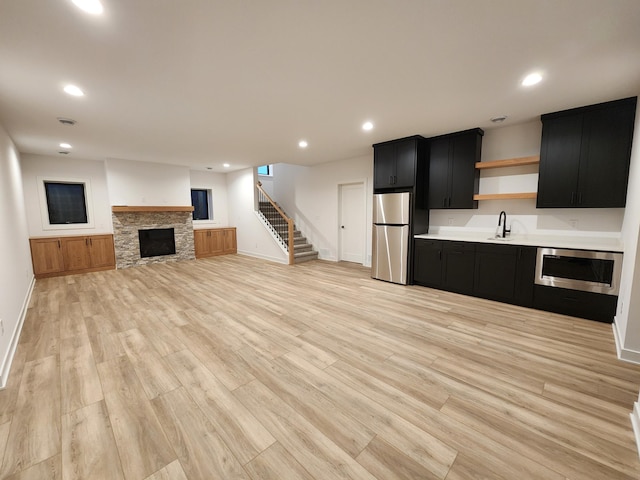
128	221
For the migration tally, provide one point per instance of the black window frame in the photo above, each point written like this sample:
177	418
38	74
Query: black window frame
66	202
199	208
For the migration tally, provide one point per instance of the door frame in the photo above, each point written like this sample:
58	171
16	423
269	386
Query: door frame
364	204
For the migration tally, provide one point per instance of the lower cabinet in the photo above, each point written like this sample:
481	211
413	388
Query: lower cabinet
427	266
214	241
594	306
76	254
505	273
458	266
498	272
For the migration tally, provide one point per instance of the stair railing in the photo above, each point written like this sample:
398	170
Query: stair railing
264	197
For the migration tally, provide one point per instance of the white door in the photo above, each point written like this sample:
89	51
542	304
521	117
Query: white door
352	219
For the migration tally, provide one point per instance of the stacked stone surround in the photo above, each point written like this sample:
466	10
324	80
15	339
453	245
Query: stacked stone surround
125	236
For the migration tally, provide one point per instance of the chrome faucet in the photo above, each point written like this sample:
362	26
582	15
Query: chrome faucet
502	222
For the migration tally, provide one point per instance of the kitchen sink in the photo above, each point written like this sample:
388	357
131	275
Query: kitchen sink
500	239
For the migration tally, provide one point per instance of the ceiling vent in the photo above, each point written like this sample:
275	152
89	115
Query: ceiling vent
66	121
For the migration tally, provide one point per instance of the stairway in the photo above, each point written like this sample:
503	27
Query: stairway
302	250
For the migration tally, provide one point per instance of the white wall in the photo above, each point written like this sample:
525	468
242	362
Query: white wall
144	183
34	167
217	183
311	196
253	238
16	274
514	141
627	322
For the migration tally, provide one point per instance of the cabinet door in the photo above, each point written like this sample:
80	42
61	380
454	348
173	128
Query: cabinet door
427	263
101	251
464	153
230	240
495	272
384	165
216	241
439	173
459	266
75	251
605	157
46	255
525	276
559	161
406	154
201	242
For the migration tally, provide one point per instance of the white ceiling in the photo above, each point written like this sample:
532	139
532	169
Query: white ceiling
204	82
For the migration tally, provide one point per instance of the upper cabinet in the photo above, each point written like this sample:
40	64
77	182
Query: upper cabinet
585	156
395	162
453	178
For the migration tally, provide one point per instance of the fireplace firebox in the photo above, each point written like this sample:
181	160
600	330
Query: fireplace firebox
155	242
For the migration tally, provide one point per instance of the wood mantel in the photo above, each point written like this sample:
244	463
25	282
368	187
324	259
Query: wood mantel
147	208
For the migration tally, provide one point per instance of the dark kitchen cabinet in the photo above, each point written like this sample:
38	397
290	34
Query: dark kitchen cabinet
453	177
395	162
585	156
505	273
458	266
594	306
428	263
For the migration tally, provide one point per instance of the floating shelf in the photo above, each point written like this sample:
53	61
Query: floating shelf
505	196
146	208
509	162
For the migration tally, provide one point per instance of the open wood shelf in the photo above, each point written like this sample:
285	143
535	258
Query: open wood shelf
146	208
505	196
509	162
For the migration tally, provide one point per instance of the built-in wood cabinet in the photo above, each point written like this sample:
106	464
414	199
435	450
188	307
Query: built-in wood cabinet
453	178
74	254
46	256
585	156
214	241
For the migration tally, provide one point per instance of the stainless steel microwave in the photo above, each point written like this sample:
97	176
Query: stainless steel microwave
585	270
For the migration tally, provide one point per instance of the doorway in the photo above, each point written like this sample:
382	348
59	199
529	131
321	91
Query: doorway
352	218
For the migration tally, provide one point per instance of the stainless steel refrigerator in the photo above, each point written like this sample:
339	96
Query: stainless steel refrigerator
390	236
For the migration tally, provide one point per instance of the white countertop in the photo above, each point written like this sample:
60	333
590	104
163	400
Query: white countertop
579	242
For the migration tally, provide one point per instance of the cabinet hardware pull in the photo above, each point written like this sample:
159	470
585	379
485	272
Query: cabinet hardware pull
390	179
86	242
59	246
579	198
91	242
573	198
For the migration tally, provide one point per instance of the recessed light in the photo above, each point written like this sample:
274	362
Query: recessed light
66	121
63	153
90	6
499	119
209	168
303	144
226	165
65	145
531	79
73	90
367	126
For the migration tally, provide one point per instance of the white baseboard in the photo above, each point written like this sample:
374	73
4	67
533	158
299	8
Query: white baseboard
5	368
635	422
631	356
264	257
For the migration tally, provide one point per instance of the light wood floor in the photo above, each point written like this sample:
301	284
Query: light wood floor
235	368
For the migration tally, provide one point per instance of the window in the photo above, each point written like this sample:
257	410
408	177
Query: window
66	203
201	201
264	170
